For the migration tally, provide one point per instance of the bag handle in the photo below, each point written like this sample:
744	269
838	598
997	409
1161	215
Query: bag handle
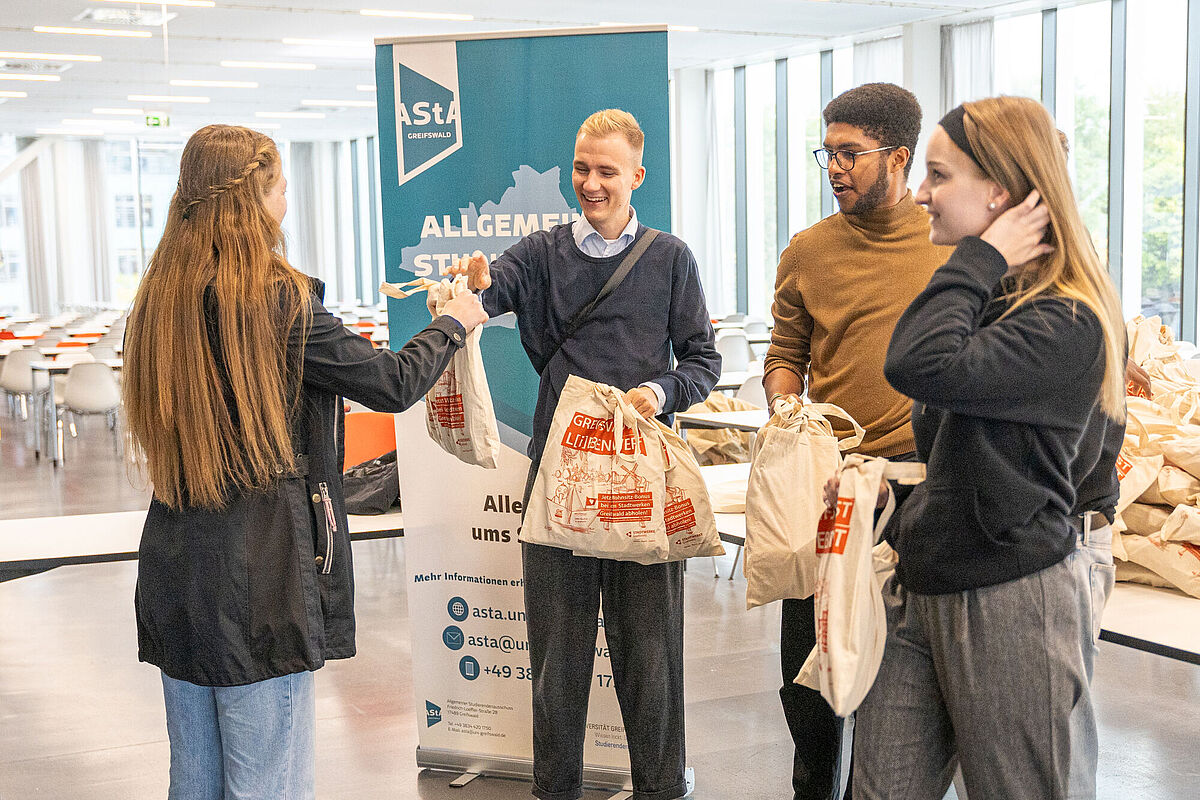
830	410
617	402
1140	429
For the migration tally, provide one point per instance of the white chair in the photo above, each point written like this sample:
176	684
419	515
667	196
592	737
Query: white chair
754	325
16	379
91	388
735	351
752	391
102	351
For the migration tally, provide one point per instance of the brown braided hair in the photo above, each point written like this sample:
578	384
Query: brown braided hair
212	346
213	191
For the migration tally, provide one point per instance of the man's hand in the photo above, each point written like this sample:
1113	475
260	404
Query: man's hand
1018	232
644	401
476	268
780	397
1136	378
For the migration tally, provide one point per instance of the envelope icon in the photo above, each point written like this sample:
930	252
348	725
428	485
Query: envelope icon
452	637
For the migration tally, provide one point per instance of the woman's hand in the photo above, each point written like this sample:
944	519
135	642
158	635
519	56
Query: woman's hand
832	486
467	310
1017	233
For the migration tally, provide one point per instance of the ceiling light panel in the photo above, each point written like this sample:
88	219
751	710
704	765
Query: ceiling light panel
47	56
13	94
383	12
12	76
339	103
268	65
92	31
164	98
218	84
188	3
289	114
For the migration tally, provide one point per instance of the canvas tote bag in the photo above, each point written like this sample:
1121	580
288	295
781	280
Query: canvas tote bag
687	511
458	409
793	455
600	489
850	616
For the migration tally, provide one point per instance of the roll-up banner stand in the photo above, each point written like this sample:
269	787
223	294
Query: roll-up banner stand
476	138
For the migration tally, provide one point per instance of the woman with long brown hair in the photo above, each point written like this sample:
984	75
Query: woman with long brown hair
234	374
1014	343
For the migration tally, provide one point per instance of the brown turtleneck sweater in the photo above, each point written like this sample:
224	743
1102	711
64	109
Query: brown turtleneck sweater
841	287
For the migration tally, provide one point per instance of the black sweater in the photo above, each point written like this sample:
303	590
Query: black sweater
628	339
999	411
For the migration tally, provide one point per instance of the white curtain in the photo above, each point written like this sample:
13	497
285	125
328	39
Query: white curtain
315	220
96	217
719	275
881	60
38	254
966	63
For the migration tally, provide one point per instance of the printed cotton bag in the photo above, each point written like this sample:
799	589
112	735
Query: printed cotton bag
793	455
687	512
600	490
458	409
850	617
1137	463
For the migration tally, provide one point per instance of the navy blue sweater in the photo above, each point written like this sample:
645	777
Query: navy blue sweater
998	415
630	336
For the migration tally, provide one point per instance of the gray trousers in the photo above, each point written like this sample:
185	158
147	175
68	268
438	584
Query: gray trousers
643	625
987	679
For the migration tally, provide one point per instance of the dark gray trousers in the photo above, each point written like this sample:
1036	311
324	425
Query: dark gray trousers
987	679
643	623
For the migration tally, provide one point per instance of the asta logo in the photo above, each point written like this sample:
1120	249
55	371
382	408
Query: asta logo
433	714
428	123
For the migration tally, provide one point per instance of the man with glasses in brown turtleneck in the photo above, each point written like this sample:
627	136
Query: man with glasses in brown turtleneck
841	287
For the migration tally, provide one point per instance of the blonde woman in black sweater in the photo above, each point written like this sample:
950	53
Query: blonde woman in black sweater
1016	339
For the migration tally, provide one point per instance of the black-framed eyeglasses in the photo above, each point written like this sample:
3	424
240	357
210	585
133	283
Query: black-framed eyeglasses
845	158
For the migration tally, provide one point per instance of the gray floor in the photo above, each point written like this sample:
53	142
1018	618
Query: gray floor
81	718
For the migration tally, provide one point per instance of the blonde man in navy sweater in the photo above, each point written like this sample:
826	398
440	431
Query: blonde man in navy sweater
627	340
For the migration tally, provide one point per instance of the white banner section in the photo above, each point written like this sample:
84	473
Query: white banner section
466	606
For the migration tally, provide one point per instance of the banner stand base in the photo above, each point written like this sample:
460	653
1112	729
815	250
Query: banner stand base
475	764
463	780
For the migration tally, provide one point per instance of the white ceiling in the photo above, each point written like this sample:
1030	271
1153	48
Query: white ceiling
193	43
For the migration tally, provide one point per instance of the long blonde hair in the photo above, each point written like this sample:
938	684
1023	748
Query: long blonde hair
1018	146
203	431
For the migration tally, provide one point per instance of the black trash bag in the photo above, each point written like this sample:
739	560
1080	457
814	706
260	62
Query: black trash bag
372	487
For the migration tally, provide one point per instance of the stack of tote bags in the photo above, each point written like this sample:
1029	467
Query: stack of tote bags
1157	529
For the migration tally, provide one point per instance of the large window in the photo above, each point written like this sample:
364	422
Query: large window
725	240
1156	59
761	195
1081	110
1017	55
804	136
14	289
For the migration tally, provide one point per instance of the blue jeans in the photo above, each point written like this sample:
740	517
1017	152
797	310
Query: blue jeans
252	742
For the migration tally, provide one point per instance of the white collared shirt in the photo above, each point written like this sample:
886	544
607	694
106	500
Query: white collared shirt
589	240
593	244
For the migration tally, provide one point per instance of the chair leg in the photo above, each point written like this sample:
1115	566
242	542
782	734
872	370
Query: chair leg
733	570
74	430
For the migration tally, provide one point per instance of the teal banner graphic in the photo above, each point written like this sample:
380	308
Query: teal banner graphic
476	139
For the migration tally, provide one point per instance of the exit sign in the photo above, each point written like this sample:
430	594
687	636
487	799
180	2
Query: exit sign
158	121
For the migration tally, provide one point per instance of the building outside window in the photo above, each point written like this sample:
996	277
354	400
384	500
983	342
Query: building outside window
1156	59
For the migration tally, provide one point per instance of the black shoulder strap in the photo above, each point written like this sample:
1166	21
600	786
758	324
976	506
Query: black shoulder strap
626	266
